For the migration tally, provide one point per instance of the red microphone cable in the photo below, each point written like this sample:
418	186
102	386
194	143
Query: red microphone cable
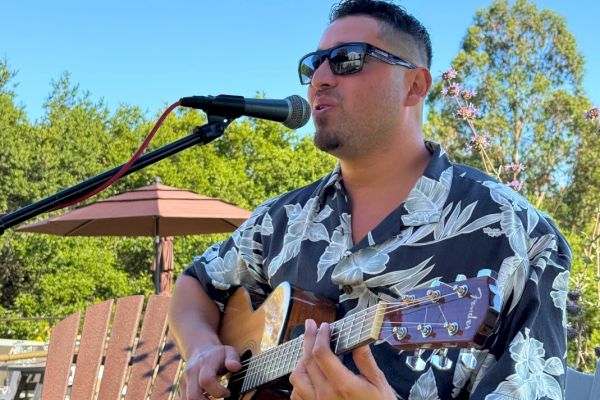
125	167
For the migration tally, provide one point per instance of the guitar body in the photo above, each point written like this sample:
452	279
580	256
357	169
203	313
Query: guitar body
279	318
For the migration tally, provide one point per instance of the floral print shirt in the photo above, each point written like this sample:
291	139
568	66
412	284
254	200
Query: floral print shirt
456	220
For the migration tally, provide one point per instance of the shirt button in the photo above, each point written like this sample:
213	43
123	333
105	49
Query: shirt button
347	289
347	253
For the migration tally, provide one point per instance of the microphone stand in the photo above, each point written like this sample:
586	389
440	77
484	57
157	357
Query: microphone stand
200	135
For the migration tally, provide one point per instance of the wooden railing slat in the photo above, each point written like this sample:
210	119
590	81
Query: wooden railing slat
168	371
149	368
91	350
118	354
60	357
146	353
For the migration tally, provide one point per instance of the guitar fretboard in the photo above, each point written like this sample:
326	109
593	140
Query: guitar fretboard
352	331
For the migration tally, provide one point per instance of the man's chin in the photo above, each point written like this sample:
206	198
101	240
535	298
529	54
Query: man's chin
327	143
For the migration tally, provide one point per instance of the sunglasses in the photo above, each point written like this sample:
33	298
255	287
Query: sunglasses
345	59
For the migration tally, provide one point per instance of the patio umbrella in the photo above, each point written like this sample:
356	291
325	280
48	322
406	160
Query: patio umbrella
155	210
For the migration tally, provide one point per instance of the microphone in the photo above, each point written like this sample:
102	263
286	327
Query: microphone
293	111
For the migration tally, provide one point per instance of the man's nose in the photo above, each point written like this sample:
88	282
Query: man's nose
323	76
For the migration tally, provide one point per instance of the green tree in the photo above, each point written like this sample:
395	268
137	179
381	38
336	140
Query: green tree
44	275
14	135
584	298
582	198
528	74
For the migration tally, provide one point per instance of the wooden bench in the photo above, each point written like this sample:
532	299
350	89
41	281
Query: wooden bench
113	357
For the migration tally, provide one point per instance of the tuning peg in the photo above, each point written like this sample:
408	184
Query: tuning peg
452	328
408	299
487	272
425	329
460	278
496	297
434	295
461	290
435	283
468	359
415	362
399	333
440	360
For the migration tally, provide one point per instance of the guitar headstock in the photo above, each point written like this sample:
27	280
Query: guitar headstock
456	315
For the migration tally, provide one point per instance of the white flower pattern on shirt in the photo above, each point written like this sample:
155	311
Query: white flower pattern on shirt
456	220
534	377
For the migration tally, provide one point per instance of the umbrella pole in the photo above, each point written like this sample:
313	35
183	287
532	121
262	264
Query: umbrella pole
157	264
157	258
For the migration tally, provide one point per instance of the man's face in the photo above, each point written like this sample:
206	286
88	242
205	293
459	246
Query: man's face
359	112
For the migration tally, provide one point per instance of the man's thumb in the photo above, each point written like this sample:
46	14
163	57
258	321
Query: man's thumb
366	364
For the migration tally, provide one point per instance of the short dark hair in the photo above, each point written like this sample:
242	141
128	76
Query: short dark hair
393	16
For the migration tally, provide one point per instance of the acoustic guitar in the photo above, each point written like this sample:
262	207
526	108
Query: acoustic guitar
269	339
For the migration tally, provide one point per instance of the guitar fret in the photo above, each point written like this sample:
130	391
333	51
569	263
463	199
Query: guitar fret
266	371
249	375
362	326
276	370
337	338
296	354
350	334
272	364
359	335
256	376
286	359
337	332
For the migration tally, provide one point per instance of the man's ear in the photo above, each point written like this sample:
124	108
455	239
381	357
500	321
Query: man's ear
419	87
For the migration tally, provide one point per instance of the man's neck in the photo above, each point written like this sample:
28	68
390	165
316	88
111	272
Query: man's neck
402	165
379	182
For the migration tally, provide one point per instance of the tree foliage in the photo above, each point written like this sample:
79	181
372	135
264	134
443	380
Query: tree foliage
525	67
43	275
528	73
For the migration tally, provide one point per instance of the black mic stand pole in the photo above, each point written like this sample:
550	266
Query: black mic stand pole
200	135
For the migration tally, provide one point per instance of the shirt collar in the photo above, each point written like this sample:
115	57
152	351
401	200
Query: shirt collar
425	202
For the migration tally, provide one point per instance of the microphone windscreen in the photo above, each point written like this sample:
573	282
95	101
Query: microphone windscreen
299	112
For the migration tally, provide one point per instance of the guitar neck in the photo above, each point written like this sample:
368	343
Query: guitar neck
459	315
352	331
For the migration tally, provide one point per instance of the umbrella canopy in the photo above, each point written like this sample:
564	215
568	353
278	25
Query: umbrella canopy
154	210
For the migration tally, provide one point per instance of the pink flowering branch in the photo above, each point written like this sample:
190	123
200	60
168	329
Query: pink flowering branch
593	115
467	111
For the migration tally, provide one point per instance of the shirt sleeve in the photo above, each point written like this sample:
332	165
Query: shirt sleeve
527	359
235	262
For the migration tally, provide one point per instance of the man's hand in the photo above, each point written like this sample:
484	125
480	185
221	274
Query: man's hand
320	374
200	377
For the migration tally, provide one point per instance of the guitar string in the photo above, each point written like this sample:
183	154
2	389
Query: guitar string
335	334
392	307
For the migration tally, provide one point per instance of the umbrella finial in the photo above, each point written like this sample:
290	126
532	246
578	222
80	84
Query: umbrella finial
157	179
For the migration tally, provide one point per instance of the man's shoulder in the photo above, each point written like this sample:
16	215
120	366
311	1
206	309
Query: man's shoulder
471	181
299	196
494	195
471	184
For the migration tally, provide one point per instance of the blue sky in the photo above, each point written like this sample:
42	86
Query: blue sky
150	53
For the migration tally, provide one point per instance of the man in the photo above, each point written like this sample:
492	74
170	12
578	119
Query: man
395	214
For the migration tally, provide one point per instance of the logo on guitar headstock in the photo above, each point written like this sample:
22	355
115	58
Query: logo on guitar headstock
471	316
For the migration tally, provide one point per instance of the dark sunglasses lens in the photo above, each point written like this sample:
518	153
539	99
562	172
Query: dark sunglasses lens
343	60
308	66
346	60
